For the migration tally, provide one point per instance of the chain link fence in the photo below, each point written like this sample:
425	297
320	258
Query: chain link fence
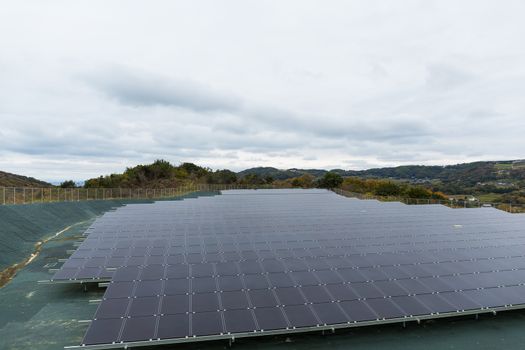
30	195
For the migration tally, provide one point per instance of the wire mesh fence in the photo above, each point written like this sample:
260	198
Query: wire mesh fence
30	195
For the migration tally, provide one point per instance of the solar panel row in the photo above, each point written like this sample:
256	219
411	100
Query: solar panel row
171	319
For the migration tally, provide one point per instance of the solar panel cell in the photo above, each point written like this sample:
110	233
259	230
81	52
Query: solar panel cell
330	313
176	304
176	286
234	300
112	308
206	323
147	306
139	328
358	311
148	288
290	296
103	331
270	318
300	316
239	321
205	302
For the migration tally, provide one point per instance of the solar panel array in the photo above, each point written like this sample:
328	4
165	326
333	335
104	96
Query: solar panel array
254	262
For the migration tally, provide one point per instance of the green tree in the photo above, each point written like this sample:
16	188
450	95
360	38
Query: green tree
269	179
221	177
387	188
68	184
252	179
418	192
330	180
195	171
304	181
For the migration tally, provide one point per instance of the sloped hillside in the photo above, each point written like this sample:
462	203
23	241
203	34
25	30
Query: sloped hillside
13	180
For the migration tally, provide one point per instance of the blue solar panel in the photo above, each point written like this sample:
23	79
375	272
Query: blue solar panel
249	262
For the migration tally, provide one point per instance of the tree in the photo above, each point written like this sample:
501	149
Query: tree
387	188
418	192
354	184
439	195
252	179
268	179
304	181
68	184
330	180
221	177
195	171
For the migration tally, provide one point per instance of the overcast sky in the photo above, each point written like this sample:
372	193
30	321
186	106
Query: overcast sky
90	87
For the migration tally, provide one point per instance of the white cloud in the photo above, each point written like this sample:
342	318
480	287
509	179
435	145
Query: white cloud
91	87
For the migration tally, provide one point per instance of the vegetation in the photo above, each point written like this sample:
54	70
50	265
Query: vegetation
499	181
161	174
330	180
389	188
502	181
68	184
13	180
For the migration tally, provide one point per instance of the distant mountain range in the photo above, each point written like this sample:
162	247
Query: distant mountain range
489	176
13	180
471	172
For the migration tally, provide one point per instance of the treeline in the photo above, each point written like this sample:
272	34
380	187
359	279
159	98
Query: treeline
469	178
388	188
162	174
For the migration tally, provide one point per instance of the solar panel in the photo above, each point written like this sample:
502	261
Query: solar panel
255	262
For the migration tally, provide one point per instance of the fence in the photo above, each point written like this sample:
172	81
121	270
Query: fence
452	203
30	195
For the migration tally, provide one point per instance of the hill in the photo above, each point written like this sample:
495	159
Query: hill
490	176
279	174
490	180
13	180
162	174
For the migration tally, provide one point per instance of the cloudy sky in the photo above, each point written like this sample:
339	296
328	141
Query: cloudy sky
90	87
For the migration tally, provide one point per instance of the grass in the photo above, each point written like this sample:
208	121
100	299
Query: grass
489	197
503	166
